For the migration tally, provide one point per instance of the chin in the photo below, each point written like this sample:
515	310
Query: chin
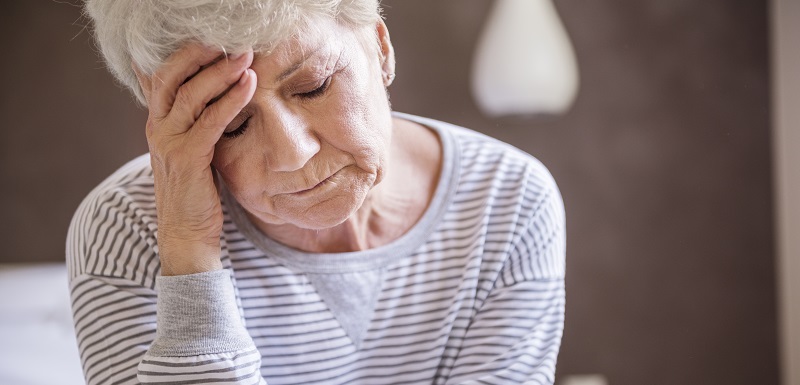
326	214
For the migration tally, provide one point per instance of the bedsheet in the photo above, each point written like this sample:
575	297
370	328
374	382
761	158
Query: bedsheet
37	342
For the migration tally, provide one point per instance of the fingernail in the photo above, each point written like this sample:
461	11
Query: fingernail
235	56
245	76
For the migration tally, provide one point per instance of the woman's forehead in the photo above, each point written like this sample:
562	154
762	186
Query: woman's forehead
311	38
291	53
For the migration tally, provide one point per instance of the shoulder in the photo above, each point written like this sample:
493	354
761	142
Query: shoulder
523	193
488	167
517	198
114	227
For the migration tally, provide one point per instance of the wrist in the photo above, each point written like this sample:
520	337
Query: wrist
197	314
189	266
182	257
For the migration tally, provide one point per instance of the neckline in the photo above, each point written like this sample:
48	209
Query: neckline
370	259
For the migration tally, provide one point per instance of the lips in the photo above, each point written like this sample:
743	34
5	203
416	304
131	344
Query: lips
301	191
317	185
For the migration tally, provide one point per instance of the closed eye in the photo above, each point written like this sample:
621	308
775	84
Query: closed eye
318	91
238	131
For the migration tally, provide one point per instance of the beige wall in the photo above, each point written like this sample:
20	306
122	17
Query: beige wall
786	122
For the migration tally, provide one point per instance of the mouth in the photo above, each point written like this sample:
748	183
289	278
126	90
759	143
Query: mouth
320	184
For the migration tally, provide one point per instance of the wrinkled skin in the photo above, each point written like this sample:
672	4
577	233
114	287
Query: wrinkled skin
302	137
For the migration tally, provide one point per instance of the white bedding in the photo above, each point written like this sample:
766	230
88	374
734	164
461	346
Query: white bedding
37	342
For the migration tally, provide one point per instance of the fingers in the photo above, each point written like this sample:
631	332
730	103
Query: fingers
193	96
144	82
181	65
196	93
215	118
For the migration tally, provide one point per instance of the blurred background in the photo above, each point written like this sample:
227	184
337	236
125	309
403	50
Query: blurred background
673	161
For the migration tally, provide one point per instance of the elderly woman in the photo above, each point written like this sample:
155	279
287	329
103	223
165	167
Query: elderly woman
288	228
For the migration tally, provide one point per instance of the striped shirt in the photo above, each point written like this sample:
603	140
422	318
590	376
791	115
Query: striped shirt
473	293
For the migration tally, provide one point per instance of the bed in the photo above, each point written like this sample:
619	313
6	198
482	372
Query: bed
37	341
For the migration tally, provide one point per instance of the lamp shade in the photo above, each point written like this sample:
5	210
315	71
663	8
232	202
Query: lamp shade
524	63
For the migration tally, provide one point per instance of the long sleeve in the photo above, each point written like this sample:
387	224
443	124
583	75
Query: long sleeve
133	326
516	333
201	337
115	322
515	338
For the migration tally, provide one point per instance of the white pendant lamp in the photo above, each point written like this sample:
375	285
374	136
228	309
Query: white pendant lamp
524	63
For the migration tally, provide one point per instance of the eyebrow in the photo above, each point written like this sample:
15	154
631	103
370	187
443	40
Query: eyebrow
294	67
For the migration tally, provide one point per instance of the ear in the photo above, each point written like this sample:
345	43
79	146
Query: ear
387	53
144	82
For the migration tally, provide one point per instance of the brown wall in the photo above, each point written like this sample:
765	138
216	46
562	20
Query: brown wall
65	126
664	164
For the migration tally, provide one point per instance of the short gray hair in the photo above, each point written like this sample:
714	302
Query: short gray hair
146	32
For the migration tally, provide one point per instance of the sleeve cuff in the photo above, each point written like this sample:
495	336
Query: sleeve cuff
197	314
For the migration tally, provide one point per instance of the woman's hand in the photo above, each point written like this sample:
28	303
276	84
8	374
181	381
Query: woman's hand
182	130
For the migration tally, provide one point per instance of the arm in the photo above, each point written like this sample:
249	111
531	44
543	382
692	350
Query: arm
515	338
133	327
200	337
515	335
184	326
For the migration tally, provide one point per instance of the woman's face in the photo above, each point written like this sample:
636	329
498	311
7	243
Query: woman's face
315	137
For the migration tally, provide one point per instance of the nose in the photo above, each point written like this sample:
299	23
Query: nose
290	143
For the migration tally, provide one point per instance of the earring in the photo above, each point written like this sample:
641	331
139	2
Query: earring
389	78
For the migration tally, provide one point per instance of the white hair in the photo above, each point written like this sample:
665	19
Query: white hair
146	32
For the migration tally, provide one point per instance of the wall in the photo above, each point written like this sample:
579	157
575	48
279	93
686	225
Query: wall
65	127
664	163
786	96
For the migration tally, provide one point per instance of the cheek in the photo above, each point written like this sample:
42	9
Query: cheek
362	119
225	163
237	170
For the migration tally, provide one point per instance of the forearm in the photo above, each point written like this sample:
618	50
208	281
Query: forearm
200	334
